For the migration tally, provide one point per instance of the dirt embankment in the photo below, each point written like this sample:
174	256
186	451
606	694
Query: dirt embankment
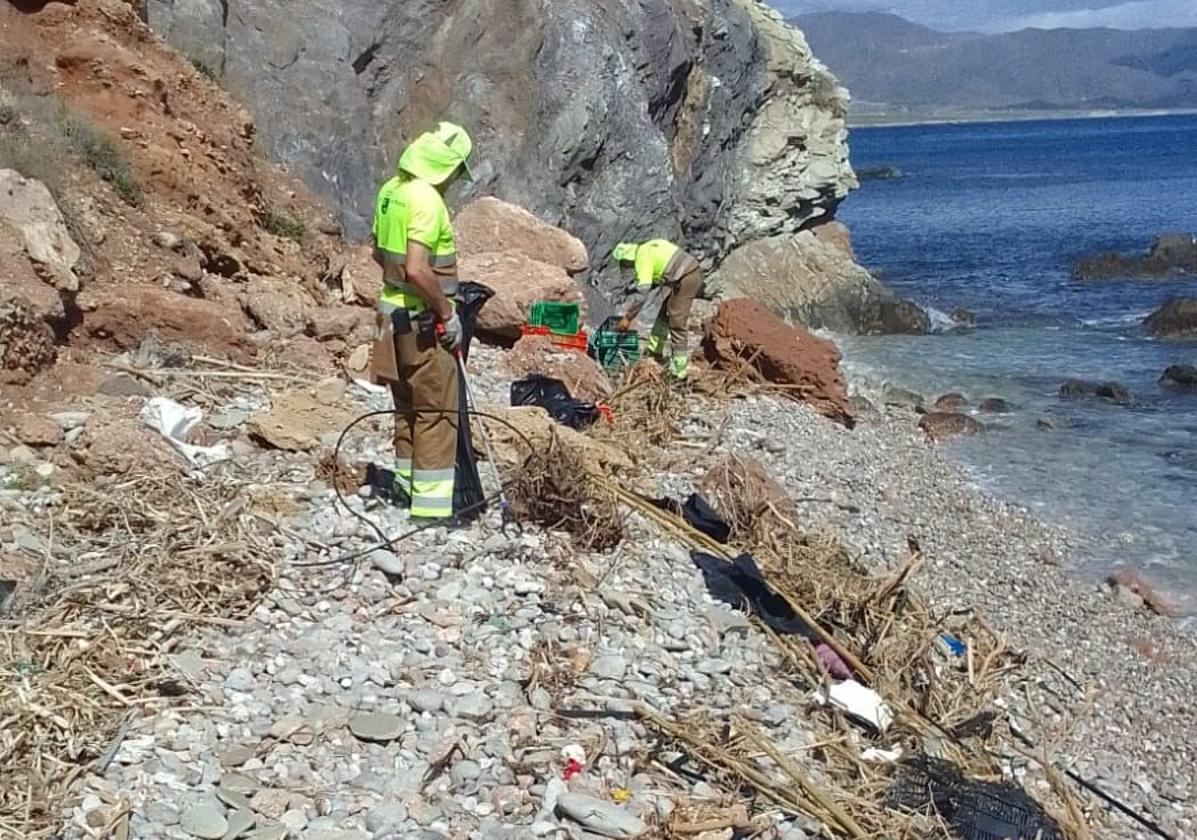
168	218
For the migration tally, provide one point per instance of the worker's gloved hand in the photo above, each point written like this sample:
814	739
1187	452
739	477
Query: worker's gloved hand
449	333
625	324
831	662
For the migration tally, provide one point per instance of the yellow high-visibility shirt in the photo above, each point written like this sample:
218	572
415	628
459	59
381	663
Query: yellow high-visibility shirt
410	209
652	258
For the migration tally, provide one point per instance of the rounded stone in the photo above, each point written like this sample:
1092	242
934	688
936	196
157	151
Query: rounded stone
205	821
376	726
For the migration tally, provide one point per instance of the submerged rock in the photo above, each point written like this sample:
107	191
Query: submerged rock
1174	253
1114	393
1175	319
995	405
942	425
903	398
1136	581
950	402
1180	376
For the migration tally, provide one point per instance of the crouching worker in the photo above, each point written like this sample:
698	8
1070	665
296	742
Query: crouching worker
417	327
659	264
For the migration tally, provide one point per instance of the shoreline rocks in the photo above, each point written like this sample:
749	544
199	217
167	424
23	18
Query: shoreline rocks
744	331
1113	393
1170	254
941	426
1180	377
812	279
1176	319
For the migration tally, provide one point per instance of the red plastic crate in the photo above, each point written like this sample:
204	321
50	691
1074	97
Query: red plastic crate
570	342
575	341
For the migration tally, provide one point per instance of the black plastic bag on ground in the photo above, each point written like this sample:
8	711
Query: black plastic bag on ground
740	584
552	395
698	514
973	810
468	495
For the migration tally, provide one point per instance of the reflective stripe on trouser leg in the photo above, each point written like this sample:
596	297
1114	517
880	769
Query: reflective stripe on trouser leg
432	493
403	474
679	365
405	422
658	338
431	375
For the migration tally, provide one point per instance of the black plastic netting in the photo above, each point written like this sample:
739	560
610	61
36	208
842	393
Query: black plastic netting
554	397
973	810
468	495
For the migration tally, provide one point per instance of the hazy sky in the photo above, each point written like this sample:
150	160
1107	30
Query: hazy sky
1015	14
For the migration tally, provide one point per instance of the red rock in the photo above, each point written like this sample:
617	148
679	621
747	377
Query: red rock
518	282
945	425
743	330
35	431
281	312
1161	603
489	225
343	322
581	374
307	354
123	315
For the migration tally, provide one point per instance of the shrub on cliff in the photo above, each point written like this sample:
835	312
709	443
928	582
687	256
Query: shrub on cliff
102	155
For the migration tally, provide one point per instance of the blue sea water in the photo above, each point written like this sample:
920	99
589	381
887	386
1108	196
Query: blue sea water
992	217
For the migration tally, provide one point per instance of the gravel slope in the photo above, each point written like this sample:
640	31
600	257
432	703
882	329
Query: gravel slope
445	656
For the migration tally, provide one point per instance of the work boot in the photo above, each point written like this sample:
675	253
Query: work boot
387	486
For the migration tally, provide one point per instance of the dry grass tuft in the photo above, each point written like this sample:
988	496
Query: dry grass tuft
131	568
557	492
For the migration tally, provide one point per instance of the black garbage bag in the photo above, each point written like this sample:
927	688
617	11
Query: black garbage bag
741	584
973	810
698	514
468	495
552	395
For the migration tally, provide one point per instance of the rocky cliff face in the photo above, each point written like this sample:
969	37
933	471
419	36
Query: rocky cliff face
704	119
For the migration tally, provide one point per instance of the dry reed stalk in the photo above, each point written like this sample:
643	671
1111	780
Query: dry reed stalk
648	411
556	490
93	645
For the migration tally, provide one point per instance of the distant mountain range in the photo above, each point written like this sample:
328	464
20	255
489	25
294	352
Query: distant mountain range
898	69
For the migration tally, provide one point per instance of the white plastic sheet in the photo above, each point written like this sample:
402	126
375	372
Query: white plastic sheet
174	422
857	701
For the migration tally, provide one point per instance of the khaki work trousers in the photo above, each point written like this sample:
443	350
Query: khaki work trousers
425	442
670	338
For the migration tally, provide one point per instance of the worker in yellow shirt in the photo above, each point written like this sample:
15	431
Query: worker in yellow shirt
659	264
418	328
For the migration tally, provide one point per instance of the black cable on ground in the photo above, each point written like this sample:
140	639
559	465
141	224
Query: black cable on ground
387	542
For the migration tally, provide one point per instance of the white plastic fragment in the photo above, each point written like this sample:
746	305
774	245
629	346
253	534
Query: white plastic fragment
859	702
879	756
174	422
369	387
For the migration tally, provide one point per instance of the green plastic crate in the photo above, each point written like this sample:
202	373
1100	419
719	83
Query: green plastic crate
558	317
614	349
